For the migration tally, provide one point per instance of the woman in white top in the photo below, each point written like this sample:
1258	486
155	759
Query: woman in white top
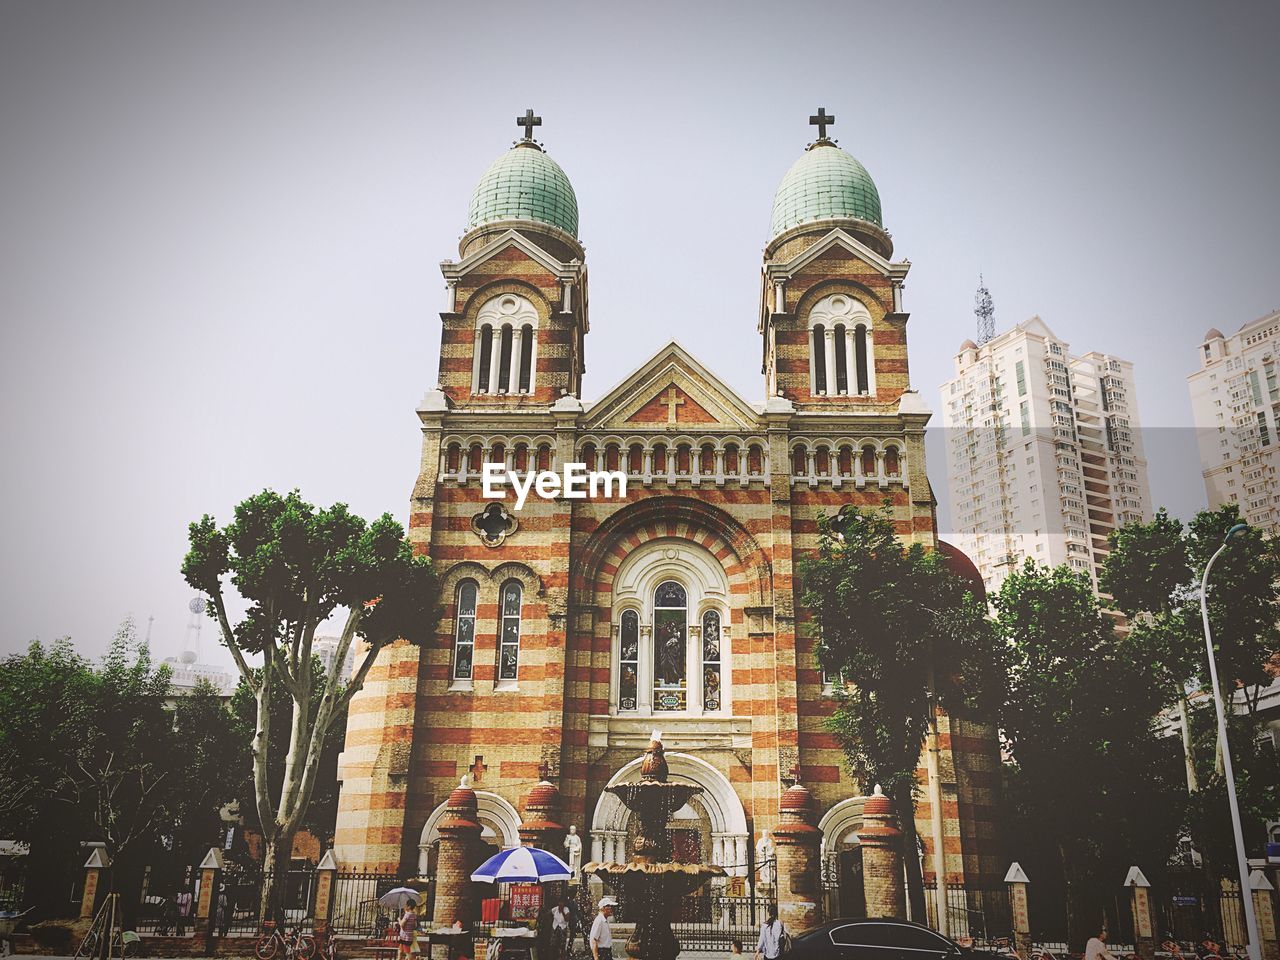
769	946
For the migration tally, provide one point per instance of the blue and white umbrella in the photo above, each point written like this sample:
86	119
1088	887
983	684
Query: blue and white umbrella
522	865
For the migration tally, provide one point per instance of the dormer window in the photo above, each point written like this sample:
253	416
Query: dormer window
506	346
841	356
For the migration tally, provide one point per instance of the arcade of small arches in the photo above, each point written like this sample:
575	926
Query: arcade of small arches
696	460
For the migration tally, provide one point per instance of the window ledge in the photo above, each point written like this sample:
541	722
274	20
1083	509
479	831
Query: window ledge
502	686
461	686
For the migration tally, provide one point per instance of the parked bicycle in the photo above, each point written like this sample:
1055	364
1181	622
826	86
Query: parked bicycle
295	945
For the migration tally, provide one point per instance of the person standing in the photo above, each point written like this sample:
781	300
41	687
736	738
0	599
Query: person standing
408	932
769	946
601	934
183	900
560	929
575	922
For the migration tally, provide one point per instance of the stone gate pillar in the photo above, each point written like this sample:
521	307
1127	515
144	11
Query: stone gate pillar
459	845
1144	927
1017	880
799	844
93	869
1264	908
882	858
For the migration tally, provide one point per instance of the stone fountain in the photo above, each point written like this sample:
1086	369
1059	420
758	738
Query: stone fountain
652	885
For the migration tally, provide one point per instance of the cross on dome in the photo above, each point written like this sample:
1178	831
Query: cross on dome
528	121
821	120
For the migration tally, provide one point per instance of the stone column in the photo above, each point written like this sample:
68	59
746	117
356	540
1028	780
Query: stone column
93	868
459	843
1265	907
882	858
799	843
326	870
1017	880
1144	927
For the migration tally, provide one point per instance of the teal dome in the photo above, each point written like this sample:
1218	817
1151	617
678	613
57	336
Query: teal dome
525	184
825	183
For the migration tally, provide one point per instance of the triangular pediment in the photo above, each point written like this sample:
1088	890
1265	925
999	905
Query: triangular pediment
502	243
836	240
673	392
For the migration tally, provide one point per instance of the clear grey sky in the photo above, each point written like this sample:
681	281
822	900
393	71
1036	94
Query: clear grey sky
220	224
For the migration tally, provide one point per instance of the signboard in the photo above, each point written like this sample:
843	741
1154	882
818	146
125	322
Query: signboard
1142	912
526	900
1273	853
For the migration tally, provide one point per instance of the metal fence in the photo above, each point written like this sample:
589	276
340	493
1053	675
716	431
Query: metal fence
983	913
711	922
355	910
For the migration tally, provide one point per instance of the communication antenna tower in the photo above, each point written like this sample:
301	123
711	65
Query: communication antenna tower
191	643
985	311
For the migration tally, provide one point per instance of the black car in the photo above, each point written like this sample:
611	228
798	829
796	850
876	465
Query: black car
880	940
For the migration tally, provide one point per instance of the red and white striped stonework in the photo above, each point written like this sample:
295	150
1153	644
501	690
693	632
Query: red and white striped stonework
708	473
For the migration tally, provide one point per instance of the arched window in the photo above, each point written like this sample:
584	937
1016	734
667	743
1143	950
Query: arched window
506	346
869	461
485	359
509	632
629	661
842	360
860	357
819	359
670	647
464	631
892	468
711	660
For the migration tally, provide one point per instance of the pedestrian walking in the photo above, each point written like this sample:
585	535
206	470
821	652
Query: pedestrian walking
560	929
601	934
224	911
772	932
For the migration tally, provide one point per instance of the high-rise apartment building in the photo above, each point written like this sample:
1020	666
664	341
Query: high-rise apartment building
1044	457
1235	400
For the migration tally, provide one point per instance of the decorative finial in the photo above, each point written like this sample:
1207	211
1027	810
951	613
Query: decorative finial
528	121
656	736
465	782
877	792
822	120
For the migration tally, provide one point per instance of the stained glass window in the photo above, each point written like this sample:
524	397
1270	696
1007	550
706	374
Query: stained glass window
629	661
711	660
464	637
670	642
509	632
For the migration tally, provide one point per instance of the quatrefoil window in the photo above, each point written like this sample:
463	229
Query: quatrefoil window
493	525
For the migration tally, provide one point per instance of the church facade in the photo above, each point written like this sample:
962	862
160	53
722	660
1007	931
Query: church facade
572	628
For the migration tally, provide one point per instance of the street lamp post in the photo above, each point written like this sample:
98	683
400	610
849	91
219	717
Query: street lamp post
1246	895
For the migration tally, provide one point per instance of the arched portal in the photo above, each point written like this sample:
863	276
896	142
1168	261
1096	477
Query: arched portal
842	859
718	799
499	827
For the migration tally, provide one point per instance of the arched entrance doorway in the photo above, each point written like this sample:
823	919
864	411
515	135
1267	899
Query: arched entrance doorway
842	880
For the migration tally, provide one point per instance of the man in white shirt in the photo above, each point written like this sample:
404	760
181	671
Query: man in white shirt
601	935
1096	948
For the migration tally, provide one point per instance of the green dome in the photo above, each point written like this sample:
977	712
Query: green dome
525	184
825	183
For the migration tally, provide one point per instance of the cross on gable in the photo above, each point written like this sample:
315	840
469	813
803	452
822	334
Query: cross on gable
528	121
795	773
822	120
478	768
672	399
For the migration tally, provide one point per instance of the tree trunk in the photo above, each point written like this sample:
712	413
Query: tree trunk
905	805
275	877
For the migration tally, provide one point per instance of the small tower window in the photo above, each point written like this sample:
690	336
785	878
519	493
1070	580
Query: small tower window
504	362
860	358
464	635
526	357
819	360
842	355
486	359
509	632
842	361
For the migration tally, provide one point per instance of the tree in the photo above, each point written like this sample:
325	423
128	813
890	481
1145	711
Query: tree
1078	718
323	809
1153	573
903	635
297	566
98	753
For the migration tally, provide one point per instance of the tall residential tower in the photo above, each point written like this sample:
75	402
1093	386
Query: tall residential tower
1235	399
1044	457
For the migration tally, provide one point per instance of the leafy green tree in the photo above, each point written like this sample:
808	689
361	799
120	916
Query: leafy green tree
297	566
1078	718
903	634
100	754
